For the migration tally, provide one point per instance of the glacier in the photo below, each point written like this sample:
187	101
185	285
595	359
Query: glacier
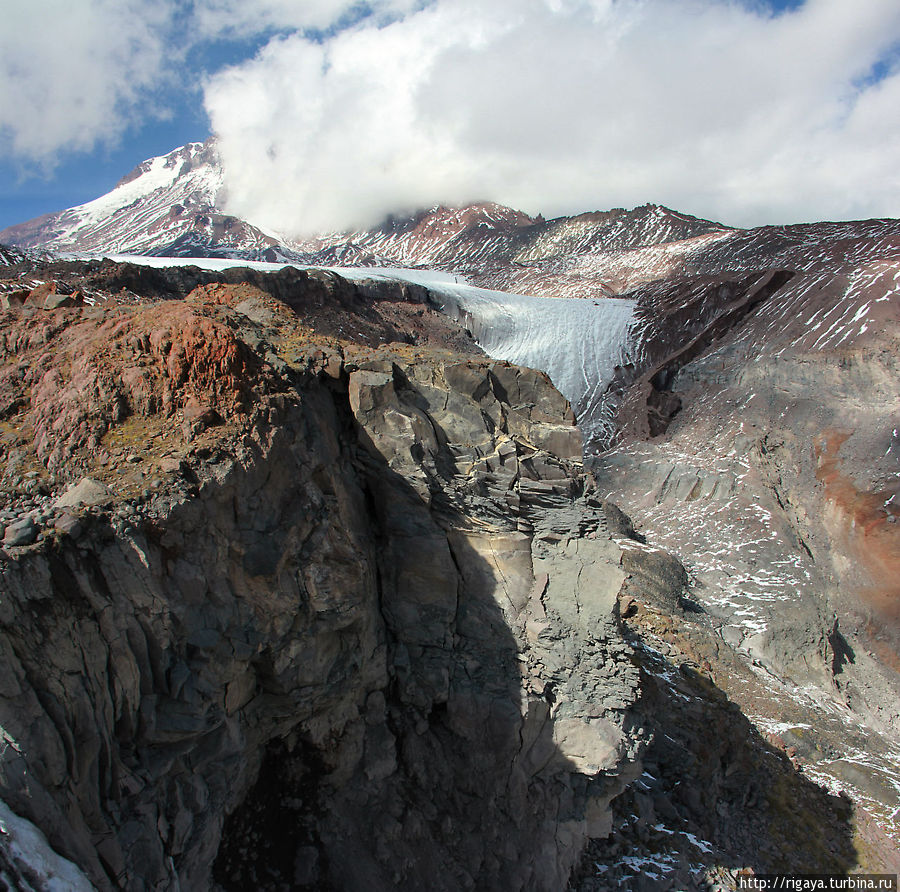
578	342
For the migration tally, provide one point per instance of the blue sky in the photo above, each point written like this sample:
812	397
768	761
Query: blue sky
32	186
26	192
743	111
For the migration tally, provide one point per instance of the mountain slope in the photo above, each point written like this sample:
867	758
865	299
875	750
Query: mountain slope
173	205
758	440
396	657
167	205
484	239
755	438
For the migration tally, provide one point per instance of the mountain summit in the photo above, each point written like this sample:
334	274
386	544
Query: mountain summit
166	205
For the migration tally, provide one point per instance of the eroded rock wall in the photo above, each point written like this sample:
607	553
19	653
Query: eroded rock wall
372	642
764	456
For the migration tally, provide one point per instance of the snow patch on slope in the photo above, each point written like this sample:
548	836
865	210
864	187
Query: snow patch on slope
28	863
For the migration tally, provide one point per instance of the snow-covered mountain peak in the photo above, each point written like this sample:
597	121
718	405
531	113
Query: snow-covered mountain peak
179	161
166	205
191	173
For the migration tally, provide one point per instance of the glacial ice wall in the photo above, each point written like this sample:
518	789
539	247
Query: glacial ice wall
578	343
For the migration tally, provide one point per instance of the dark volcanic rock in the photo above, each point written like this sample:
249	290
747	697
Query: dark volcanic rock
361	634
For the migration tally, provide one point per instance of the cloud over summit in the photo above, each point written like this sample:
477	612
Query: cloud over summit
723	109
742	110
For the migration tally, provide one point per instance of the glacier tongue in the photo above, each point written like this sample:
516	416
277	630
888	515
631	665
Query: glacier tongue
578	343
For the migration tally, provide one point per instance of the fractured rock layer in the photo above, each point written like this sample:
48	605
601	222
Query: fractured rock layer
368	612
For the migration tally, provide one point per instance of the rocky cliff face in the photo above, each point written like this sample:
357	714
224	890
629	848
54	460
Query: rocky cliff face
298	588
316	614
758	444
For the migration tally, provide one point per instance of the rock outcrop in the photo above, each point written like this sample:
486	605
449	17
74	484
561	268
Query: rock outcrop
360	632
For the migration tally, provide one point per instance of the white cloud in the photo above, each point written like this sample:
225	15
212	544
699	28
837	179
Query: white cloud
714	107
229	18
717	107
73	74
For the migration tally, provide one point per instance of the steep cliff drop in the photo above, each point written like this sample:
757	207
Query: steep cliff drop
283	609
300	589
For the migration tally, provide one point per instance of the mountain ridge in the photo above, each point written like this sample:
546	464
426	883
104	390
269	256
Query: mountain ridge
175	205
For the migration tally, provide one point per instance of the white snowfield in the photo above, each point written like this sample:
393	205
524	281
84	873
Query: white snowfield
578	343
